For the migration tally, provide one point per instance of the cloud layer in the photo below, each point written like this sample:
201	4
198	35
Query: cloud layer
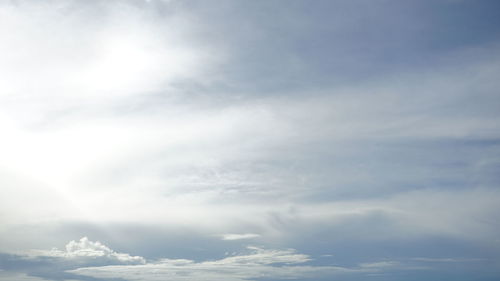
188	130
260	263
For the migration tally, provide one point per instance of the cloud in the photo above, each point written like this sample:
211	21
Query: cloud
186	161
86	250
255	263
10	276
371	127
264	256
119	50
446	260
381	264
260	263
233	236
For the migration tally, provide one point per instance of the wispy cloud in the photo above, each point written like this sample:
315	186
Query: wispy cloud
232	236
259	263
446	260
85	258
9	276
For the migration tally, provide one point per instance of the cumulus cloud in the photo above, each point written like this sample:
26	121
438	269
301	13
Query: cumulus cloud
87	250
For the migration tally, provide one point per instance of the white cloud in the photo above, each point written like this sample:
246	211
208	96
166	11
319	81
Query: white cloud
232	236
88	250
260	263
90	111
93	259
381	264
264	256
78	52
381	267
446	260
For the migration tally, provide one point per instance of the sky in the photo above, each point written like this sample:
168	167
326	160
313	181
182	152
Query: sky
189	140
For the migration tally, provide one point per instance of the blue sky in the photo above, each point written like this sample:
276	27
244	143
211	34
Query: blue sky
249	140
